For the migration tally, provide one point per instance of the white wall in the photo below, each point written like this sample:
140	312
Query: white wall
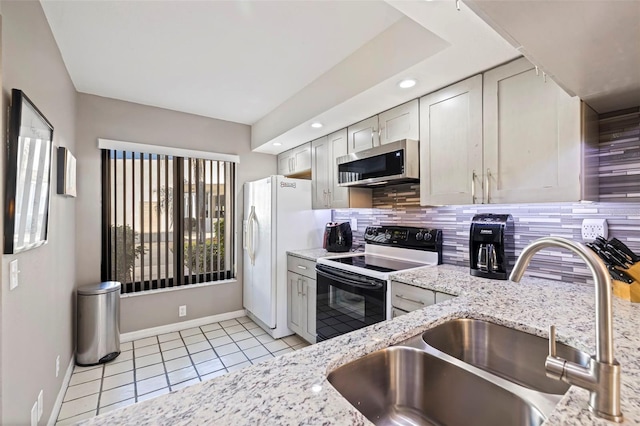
99	117
37	317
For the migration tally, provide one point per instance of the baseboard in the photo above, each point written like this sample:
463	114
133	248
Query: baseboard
169	328
63	389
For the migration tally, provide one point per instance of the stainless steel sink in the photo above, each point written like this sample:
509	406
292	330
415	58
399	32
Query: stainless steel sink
511	354
407	386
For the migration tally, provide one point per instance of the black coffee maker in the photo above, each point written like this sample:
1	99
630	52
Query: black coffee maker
491	246
338	237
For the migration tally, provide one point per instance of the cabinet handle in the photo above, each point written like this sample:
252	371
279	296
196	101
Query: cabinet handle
458	5
537	70
473	187
302	267
399	296
487	183
544	76
298	286
328	198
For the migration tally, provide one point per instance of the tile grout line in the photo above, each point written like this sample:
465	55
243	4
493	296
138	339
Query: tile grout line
190	355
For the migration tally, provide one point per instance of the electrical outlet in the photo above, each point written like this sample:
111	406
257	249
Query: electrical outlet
34	414
182	311
354	223
591	228
57	365
40	404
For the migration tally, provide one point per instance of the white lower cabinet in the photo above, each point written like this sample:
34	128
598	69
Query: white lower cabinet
301	298
406	298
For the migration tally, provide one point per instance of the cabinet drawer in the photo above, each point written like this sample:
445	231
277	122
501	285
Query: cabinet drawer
409	298
301	266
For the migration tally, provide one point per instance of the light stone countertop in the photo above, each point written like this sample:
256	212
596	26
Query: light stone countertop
292	389
313	254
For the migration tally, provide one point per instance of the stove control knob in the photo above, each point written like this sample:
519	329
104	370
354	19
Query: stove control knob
387	235
419	235
375	232
427	236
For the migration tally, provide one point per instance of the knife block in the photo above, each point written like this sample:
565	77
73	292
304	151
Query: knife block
631	291
626	291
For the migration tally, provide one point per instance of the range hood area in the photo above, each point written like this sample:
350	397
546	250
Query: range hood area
390	164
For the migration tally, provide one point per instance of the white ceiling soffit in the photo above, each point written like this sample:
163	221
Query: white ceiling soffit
590	48
450	46
232	60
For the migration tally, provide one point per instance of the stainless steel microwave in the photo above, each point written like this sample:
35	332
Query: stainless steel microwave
392	163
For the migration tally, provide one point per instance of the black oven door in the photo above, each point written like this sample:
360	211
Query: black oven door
347	301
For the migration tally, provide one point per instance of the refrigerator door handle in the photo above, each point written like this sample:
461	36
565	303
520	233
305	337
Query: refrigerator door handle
250	246
244	233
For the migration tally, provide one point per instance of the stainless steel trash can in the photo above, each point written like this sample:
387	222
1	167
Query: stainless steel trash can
98	323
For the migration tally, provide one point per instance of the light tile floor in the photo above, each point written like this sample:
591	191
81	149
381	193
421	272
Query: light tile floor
156	365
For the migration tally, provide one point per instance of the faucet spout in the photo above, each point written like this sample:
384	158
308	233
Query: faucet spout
602	377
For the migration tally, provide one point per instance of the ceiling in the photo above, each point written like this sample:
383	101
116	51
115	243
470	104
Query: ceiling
281	65
232	60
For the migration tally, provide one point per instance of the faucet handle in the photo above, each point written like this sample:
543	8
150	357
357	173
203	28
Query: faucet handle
552	340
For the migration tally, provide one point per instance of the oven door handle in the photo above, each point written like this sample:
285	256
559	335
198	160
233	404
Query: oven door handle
350	279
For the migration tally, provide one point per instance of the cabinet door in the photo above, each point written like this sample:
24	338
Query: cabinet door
451	144
294	298
320	173
532	147
285	163
302	158
443	297
401	122
338	195
310	308
363	135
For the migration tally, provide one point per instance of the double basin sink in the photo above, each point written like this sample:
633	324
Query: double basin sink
462	372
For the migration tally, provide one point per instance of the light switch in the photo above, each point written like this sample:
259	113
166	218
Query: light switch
13	274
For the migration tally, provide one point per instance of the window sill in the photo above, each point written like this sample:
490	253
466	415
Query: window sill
179	288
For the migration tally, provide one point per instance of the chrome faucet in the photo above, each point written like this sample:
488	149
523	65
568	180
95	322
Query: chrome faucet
602	376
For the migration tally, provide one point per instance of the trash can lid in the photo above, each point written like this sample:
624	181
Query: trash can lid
99	288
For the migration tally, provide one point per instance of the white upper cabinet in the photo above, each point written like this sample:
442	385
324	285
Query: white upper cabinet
401	122
339	195
533	147
451	144
363	135
296	161
324	176
302	158
508	136
320	173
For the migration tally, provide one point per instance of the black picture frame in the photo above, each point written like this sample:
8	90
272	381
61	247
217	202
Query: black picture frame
28	176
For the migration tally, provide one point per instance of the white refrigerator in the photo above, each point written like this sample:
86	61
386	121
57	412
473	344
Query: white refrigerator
277	218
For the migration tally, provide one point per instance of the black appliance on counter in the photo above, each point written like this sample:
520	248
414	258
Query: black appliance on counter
338	237
353	290
491	246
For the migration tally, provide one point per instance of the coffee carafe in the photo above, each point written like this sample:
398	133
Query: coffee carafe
491	246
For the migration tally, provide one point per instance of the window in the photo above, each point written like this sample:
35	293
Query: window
167	219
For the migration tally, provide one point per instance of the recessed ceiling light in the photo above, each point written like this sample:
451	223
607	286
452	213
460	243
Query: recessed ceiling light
407	83
277	144
316	125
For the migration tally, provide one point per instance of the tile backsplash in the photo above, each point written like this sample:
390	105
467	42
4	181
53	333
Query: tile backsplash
619	135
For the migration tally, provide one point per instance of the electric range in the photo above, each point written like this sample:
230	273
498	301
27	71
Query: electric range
354	290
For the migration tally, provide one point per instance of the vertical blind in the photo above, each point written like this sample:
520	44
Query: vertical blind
165	220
